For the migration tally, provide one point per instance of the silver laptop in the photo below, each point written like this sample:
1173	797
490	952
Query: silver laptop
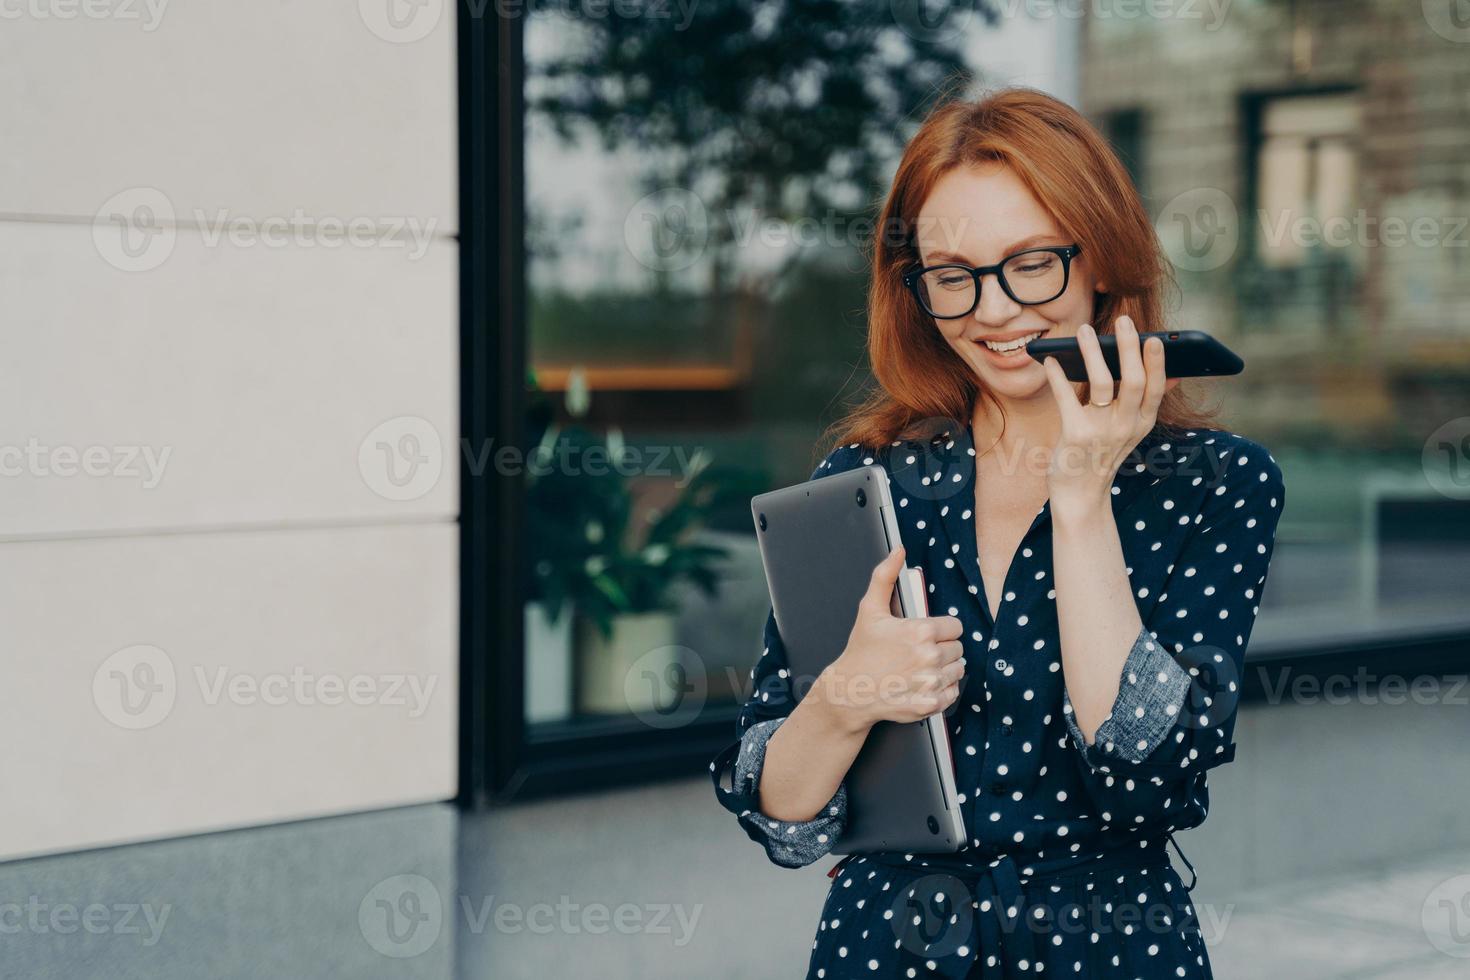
819	543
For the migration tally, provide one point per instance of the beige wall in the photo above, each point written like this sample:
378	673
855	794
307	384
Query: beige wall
217	608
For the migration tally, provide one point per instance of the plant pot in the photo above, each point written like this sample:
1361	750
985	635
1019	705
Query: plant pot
613	673
548	664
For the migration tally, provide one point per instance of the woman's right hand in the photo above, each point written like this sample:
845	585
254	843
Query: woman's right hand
894	668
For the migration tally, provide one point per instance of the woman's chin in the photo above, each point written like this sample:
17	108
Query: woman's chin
1015	384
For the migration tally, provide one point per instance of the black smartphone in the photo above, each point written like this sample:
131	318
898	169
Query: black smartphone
1187	354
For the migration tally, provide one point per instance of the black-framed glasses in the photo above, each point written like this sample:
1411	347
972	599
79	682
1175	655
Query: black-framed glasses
1031	277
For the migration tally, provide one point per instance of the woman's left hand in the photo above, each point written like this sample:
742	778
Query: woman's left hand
1096	438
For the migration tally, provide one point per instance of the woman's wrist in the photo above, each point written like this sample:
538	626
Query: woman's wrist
833	709
1078	507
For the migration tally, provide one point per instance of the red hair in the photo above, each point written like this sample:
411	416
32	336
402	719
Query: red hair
1076	176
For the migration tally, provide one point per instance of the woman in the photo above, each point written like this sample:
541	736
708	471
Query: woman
1095	557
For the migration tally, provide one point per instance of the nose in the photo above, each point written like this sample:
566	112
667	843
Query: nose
995	308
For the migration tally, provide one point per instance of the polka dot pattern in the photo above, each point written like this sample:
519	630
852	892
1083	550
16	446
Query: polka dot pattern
1196	514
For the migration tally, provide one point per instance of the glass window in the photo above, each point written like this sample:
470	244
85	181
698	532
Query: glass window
696	278
1124	129
696	283
1320	230
698	199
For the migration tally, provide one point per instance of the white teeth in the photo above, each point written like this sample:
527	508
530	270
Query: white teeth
1010	345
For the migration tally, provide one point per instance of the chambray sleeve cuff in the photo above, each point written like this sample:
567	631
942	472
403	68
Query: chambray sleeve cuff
1151	693
791	844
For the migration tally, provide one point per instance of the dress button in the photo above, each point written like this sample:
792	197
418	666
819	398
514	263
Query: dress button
1000	665
1006	729
998	788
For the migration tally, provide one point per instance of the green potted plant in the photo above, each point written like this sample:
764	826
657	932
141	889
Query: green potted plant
615	573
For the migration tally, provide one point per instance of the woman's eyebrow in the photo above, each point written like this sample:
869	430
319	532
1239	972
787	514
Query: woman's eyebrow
1032	241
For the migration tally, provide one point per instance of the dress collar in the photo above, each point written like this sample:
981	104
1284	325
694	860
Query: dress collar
940	469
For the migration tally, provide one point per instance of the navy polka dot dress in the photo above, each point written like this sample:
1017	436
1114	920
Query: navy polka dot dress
1066	871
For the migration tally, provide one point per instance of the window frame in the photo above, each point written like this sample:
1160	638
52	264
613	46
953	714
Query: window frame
500	758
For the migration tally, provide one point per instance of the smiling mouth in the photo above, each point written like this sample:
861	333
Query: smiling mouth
1010	346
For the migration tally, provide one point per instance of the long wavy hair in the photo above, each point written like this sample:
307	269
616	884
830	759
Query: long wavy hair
1077	177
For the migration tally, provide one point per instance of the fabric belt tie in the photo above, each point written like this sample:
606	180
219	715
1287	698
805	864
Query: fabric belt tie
999	895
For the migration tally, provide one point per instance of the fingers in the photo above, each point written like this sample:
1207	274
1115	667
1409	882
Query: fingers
948	667
934	704
940	627
953	670
1062	390
876	601
1155	384
951	652
935	637
1130	365
1099	378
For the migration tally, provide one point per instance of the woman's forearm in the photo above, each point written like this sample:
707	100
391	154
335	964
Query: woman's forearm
1096	615
808	756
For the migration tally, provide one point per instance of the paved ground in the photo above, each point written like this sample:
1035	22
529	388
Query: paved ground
289	901
1411	923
